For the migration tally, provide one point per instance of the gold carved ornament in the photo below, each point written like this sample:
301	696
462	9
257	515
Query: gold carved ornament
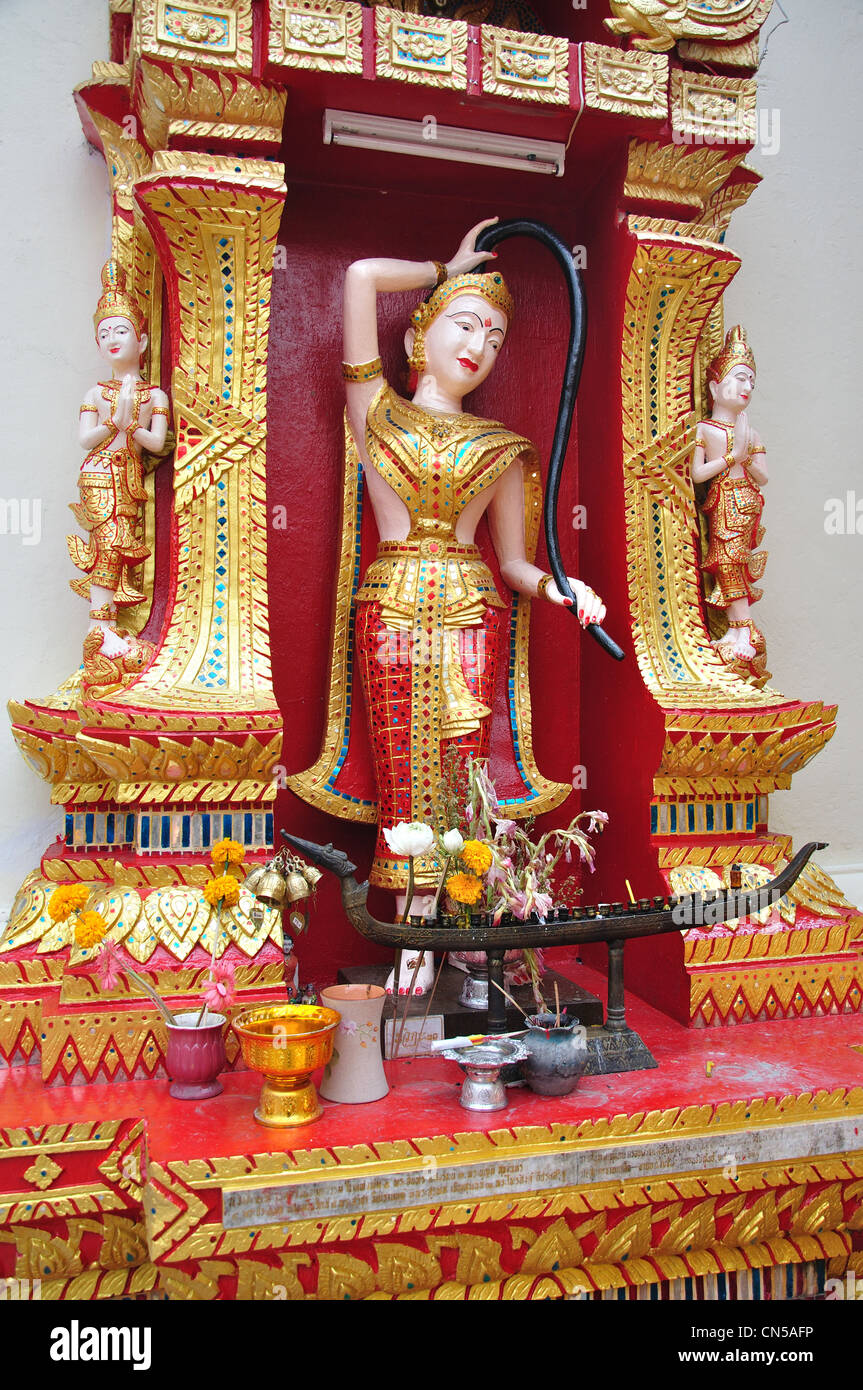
660	24
626	84
713	109
216	35
419	50
320	35
179	101
526	67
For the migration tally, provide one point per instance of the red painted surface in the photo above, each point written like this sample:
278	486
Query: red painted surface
424	212
763	1060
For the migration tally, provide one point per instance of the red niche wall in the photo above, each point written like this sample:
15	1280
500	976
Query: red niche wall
588	711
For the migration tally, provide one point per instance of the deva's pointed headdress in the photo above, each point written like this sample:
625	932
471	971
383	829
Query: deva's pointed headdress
490	286
116	302
736	353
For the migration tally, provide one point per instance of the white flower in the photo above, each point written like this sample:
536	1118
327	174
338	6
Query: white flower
410	838
453	842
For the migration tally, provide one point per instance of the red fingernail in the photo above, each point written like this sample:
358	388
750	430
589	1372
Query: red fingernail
568	602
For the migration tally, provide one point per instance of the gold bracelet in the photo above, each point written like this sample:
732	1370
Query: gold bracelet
159	410
542	586
363	371
757	449
88	407
729	459
442	272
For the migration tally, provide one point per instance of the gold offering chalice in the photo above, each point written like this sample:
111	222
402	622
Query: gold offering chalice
287	1042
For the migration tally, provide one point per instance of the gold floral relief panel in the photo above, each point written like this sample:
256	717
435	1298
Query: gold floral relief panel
625	83
413	48
713	109
322	35
216	34
527	67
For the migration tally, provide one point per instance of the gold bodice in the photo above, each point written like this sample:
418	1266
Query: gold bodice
436	464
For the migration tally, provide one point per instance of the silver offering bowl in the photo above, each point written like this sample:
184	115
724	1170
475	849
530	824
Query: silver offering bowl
482	1088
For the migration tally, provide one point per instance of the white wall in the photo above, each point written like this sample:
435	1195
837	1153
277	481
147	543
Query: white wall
799	293
55	220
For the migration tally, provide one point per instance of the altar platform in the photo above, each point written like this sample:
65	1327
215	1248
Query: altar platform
734	1170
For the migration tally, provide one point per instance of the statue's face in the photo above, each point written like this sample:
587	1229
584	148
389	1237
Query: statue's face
119	345
734	390
463	341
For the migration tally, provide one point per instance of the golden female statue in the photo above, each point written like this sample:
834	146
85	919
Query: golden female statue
730	456
430	624
118	419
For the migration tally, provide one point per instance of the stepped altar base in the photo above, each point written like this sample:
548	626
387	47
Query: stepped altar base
732	1171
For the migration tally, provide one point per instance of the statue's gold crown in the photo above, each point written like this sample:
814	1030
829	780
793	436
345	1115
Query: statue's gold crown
490	286
116	302
736	353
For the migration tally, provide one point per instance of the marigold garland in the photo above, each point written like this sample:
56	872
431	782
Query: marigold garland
89	929
464	888
477	856
224	889
66	899
227	852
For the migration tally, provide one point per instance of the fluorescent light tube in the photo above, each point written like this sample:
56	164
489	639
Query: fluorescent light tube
429	140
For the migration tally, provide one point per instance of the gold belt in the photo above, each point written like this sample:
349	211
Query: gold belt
466	585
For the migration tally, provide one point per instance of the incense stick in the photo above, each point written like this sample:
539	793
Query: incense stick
429	1004
509	997
419	961
556	1006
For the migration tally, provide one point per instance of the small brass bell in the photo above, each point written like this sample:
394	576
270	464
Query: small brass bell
311	874
271	889
253	878
297	886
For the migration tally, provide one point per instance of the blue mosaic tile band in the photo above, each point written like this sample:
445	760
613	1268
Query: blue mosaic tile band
160	832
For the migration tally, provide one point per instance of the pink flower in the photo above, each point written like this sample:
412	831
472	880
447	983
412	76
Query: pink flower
503	827
518	905
109	963
219	991
542	905
597	820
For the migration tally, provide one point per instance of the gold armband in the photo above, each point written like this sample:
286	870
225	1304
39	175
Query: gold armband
363	371
88	407
542	586
757	449
160	410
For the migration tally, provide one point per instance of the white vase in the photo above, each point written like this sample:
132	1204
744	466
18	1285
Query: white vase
356	1073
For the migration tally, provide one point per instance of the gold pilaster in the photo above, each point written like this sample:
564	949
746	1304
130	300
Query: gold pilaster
215	220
